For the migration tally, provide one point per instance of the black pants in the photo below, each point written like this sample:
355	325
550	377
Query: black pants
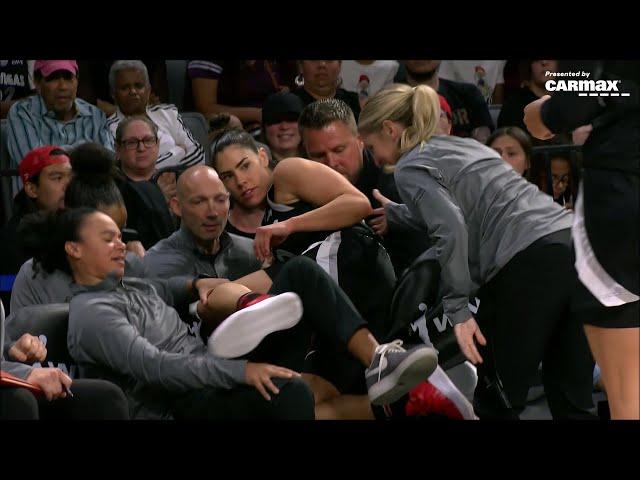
328	312
527	317
92	400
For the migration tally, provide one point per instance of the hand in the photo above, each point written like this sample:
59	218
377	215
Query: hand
259	376
464	334
533	119
270	236
168	185
206	285
51	380
28	349
379	224
580	134
137	248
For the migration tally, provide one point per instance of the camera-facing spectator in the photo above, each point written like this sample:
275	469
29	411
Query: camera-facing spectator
514	146
131	90
280	114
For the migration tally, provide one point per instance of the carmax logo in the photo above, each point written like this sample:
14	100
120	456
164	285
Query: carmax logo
587	88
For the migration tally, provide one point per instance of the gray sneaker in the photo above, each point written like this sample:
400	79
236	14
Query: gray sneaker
394	371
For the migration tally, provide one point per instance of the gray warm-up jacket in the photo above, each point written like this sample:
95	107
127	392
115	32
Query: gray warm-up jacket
477	210
125	330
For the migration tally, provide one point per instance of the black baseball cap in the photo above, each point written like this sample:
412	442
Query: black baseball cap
281	106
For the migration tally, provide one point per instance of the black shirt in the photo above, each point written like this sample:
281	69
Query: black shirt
468	106
14	80
512	111
147	211
350	98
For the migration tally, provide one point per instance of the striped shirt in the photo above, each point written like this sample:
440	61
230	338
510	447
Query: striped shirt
177	146
32	125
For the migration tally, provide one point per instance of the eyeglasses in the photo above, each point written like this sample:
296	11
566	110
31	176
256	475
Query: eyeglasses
562	179
132	143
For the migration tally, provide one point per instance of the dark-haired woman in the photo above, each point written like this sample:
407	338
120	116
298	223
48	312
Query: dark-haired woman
514	146
312	210
126	330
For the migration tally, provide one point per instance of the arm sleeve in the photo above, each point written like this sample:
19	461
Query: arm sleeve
431	201
174	291
399	218
205	69
100	333
22	135
479	115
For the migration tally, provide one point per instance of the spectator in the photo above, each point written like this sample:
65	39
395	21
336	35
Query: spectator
131	90
280	114
146	199
490	227
330	136
471	117
16	82
445	123
238	88
514	146
487	75
54	116
367	77
321	79
45	173
96	90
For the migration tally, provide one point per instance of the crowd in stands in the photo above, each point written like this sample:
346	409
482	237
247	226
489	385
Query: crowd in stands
255	272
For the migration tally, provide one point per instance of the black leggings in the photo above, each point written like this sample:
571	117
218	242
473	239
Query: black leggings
328	312
92	400
526	314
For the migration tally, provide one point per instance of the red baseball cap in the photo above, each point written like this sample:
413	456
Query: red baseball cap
39	158
47	67
445	107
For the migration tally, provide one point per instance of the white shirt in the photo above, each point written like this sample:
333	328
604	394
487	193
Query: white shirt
176	143
367	80
484	74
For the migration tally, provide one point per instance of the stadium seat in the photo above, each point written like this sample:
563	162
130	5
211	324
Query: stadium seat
176	71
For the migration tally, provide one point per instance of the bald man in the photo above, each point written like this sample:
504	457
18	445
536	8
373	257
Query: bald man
201	246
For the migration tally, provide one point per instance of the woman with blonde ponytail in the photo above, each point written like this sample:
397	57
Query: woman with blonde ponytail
497	236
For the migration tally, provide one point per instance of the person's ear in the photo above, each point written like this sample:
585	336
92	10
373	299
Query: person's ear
73	249
263	157
391	129
31	189
174	204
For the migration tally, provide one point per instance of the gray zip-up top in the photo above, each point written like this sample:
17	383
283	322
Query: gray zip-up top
36	288
125	331
180	255
477	210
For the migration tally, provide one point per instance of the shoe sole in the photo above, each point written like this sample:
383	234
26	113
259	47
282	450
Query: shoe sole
243	331
414	369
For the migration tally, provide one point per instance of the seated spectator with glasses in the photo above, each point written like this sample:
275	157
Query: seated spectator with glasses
145	193
131	90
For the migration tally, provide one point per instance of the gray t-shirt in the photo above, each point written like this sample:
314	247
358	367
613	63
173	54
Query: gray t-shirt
479	212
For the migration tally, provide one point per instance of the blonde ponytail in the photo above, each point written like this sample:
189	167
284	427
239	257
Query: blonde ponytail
417	108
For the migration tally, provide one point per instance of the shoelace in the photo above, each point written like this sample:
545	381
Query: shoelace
395	346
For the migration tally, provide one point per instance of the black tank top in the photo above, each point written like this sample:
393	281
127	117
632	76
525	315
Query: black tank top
298	242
